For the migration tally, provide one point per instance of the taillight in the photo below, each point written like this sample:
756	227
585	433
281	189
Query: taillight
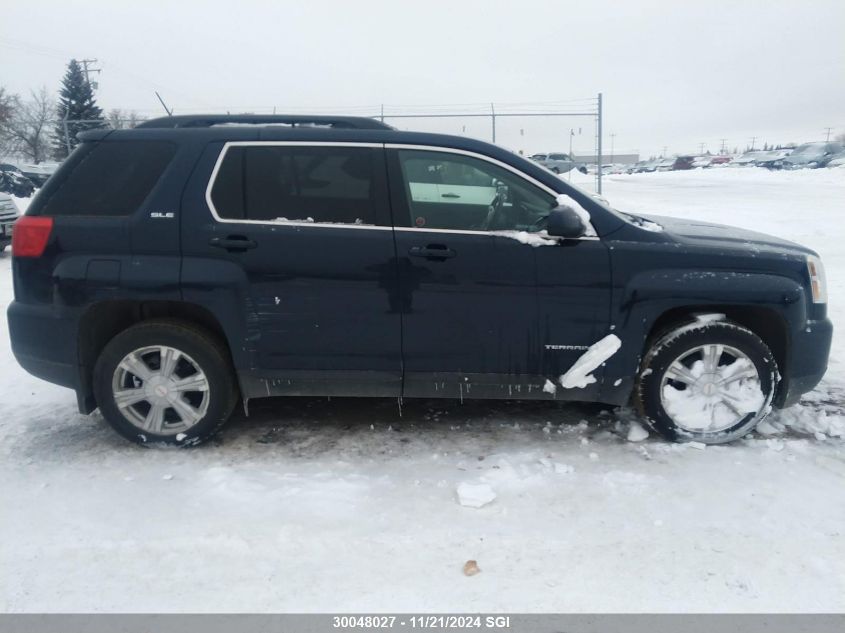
30	235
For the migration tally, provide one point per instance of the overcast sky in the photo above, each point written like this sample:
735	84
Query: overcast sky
673	74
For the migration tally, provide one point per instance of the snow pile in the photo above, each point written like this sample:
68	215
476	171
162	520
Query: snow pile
541	238
636	432
475	495
550	387
580	374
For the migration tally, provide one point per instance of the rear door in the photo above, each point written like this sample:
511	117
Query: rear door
293	240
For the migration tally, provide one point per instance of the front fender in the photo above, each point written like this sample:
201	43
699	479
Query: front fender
648	295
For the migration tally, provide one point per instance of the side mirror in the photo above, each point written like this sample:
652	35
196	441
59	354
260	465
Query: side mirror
563	221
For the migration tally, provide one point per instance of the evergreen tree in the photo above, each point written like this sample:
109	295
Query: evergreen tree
78	106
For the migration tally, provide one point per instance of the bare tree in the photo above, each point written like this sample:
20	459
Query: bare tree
27	130
121	119
9	103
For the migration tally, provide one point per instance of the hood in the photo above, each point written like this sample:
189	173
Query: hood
719	235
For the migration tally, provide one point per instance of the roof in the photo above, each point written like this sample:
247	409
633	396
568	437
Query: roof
290	120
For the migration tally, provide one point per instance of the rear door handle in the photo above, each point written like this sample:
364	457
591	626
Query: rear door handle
432	251
450	195
233	243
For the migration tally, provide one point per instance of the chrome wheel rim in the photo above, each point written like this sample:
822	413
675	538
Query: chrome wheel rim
711	388
160	390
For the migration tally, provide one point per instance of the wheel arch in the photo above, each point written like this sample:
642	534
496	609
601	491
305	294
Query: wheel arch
102	321
765	322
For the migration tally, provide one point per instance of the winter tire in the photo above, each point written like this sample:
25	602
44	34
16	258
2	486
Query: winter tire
711	381
165	382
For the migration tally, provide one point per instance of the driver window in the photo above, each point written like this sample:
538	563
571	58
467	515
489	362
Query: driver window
451	191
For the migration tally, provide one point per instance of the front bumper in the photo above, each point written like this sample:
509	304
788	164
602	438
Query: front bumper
806	361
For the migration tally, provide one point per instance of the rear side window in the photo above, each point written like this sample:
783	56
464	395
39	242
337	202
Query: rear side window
105	179
303	184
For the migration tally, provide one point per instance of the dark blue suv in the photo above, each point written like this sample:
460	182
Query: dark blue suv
164	273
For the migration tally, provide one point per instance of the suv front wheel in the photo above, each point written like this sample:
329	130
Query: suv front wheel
165	382
711	381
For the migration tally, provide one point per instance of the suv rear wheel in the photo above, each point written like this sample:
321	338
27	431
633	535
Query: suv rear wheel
709	381
165	382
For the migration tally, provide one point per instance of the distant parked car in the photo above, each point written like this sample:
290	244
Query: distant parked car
811	155
14	182
644	167
837	160
772	159
745	160
38	174
665	164
8	214
719	160
702	161
558	163
683	162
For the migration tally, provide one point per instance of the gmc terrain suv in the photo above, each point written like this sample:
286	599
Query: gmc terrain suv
164	273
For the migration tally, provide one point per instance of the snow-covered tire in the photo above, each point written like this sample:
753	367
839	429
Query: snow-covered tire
710	380
180	370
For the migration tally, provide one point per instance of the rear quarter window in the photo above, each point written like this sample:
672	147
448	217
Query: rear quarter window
105	179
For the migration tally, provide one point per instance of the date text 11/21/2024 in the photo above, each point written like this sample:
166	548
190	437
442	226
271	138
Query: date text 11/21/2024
434	622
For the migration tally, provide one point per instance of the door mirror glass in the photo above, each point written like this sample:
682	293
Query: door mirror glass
565	222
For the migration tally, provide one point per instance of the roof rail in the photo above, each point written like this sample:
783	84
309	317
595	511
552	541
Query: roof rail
293	120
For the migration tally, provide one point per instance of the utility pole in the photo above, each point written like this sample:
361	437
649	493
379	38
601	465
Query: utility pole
598	145
87	71
665	147
828	129
701	148
753	140
723	149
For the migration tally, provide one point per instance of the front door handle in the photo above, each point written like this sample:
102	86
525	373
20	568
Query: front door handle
233	243
438	252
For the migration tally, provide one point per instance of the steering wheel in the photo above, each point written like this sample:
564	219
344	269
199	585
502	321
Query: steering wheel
494	212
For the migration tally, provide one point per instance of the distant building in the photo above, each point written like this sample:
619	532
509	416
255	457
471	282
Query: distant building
625	159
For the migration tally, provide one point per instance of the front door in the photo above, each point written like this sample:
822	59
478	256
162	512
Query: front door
467	279
491	307
301	236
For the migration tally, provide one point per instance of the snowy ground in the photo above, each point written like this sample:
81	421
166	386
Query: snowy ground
312	505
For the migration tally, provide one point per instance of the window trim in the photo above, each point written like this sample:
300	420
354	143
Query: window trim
489	159
332	225
385	146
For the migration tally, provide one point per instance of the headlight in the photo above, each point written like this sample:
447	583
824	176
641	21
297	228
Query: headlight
818	281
